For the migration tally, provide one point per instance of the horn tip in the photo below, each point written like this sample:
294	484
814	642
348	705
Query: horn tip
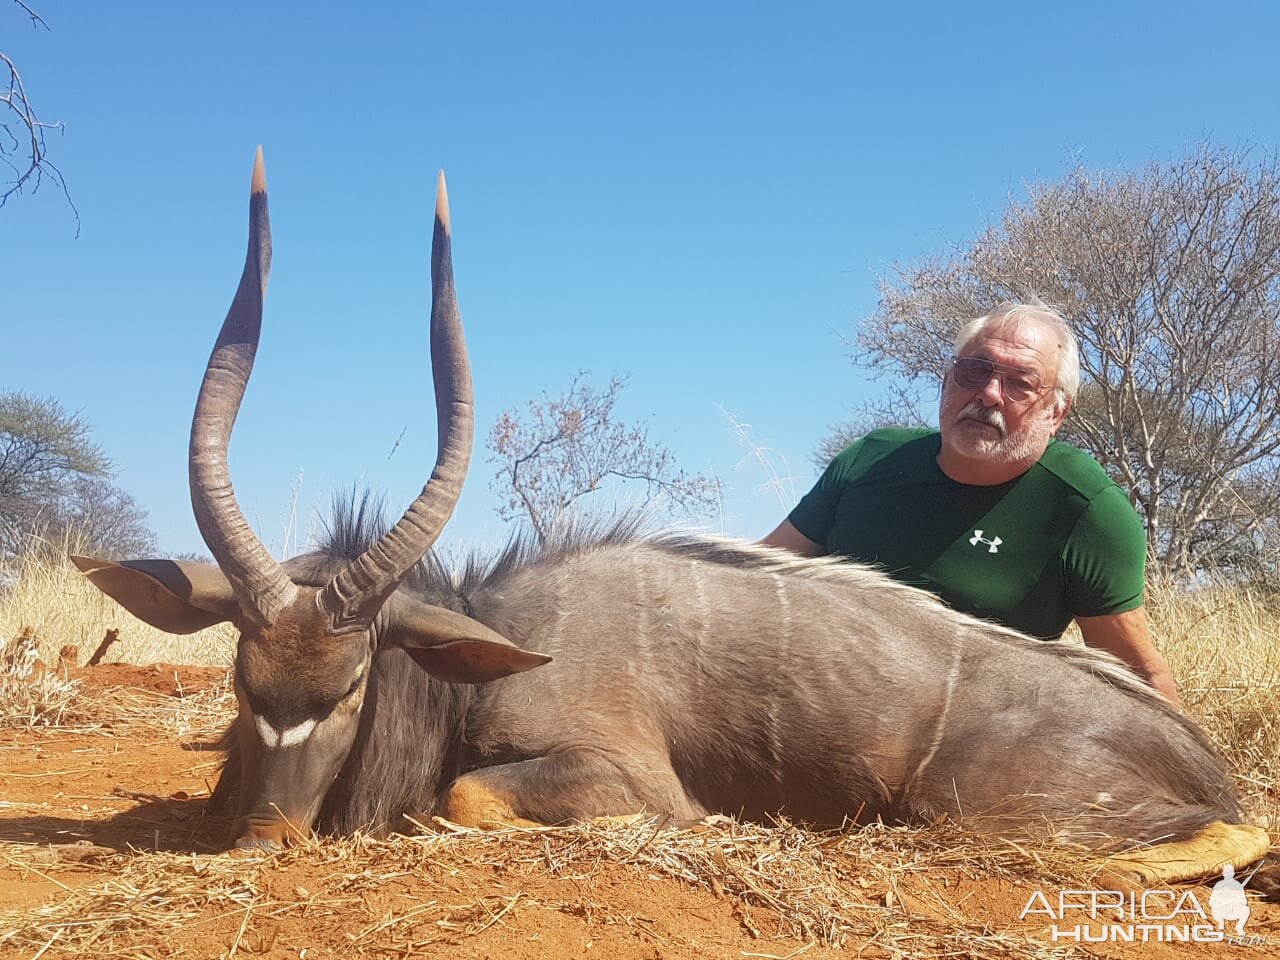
442	203
259	174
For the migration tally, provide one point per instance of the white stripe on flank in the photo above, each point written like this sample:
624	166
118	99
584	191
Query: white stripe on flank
783	617
936	742
775	683
695	574
642	649
702	625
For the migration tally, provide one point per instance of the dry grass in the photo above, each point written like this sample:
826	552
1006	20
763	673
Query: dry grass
30	695
52	598
782	883
1222	644
201	715
54	700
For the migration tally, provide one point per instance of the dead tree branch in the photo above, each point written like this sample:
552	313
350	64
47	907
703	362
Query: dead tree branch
22	135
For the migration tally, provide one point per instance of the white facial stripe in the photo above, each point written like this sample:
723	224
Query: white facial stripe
266	732
295	735
283	738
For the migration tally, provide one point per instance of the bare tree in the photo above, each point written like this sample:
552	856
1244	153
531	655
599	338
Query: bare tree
107	519
899	406
572	445
1171	277
54	478
22	132
42	447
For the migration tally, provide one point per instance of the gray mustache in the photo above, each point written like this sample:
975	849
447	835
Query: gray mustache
988	415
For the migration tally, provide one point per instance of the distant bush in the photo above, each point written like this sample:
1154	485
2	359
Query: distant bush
55	480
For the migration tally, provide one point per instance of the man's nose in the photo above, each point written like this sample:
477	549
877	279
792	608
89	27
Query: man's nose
992	393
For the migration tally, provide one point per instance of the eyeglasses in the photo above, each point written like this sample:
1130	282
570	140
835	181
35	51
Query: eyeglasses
974	373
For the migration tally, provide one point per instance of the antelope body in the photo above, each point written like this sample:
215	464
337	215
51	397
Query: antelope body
693	676
677	676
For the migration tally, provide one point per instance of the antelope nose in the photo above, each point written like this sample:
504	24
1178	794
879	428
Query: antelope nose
265	844
264	830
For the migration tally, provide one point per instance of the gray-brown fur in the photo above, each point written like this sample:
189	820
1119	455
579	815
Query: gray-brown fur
695	675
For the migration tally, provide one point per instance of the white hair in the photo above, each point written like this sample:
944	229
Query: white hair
1013	314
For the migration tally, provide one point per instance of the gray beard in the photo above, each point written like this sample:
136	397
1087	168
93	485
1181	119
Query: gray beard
1004	448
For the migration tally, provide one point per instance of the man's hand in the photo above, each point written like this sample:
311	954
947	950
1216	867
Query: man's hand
1125	635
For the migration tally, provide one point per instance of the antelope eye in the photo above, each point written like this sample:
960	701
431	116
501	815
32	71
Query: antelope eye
355	685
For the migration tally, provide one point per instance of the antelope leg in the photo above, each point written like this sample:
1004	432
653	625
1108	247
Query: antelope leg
1200	855
571	785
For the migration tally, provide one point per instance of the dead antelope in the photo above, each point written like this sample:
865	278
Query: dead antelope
690	675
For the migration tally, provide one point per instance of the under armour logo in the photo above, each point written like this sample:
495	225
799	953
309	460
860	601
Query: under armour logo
978	538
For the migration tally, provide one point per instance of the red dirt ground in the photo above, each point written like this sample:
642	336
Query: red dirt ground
60	788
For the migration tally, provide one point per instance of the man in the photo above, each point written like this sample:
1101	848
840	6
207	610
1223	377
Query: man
990	512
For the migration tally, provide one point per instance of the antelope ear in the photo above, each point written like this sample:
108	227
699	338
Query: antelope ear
456	648
176	597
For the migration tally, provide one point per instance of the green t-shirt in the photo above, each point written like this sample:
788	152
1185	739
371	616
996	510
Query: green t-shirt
1059	542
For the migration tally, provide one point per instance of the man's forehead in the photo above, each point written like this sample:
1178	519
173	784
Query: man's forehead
1023	344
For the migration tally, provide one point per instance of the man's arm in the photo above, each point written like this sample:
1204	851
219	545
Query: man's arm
1125	635
787	537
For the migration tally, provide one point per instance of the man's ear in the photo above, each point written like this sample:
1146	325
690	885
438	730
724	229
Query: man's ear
173	596
1061	407
454	647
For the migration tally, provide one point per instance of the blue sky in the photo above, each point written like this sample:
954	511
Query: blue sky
699	195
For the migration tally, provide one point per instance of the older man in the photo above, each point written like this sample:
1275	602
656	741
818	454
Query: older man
990	512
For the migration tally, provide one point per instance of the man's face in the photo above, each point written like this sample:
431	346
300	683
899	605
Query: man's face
983	423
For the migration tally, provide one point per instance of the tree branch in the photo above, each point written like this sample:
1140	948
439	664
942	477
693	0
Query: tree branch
22	148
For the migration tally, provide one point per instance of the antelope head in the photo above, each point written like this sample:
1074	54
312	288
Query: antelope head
304	653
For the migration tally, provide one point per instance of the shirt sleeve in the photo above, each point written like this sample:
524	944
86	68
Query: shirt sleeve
815	514
1106	557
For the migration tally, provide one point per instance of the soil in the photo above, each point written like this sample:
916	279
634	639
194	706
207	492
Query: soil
108	807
